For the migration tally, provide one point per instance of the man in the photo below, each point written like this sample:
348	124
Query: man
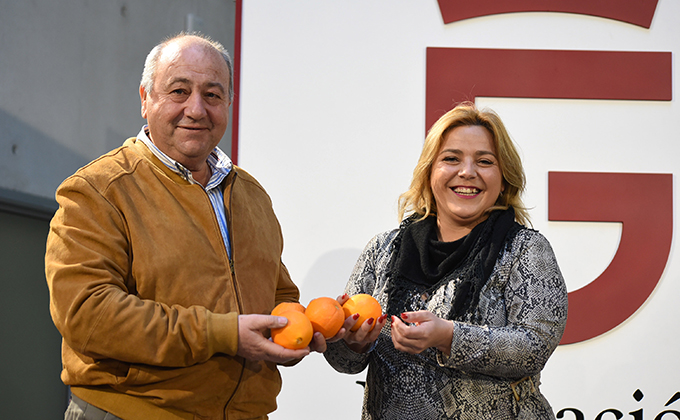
164	259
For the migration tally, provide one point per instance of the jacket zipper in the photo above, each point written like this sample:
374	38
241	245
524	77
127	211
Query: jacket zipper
230	232
230	256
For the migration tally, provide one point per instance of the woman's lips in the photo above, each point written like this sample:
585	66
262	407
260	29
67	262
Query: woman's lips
466	191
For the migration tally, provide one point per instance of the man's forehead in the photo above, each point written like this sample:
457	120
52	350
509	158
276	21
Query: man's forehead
179	58
174	50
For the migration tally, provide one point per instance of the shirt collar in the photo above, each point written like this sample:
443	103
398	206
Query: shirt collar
219	162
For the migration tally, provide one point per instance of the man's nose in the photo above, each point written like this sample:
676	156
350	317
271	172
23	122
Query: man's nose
195	106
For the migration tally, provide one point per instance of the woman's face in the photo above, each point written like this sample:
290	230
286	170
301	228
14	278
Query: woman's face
465	179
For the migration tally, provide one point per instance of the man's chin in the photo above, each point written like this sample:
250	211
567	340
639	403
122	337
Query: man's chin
197	150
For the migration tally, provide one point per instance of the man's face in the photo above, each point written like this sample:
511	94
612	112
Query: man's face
188	108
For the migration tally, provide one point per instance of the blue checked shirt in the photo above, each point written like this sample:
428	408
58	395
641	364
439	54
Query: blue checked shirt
220	166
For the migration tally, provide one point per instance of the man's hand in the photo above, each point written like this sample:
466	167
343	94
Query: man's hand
253	345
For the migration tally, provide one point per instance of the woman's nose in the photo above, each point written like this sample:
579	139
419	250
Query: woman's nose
467	169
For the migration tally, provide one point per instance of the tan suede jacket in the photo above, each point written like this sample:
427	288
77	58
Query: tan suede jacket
147	300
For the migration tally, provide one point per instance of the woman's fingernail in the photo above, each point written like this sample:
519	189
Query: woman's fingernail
344	296
382	318
355	316
404	316
369	321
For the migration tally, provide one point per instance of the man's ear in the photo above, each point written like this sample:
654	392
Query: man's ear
142	97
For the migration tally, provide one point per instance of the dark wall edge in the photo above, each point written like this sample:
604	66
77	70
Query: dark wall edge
27	205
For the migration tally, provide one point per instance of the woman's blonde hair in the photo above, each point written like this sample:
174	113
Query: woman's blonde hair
419	199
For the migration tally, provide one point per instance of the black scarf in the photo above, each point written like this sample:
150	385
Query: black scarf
420	263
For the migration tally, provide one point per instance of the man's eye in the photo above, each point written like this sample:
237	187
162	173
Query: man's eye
178	92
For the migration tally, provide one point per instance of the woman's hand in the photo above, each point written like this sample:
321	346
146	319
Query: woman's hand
423	331
318	343
360	340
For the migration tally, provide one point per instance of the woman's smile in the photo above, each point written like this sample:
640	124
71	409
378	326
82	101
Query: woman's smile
466	192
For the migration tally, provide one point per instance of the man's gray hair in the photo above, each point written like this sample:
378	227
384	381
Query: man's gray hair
151	62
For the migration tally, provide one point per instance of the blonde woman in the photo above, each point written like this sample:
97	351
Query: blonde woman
475	300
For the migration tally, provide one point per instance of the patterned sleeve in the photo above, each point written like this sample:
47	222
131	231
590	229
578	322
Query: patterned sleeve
536	309
362	280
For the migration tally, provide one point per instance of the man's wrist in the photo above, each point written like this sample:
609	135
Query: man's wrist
222	332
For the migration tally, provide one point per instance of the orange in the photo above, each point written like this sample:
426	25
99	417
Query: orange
364	305
326	316
297	334
288	306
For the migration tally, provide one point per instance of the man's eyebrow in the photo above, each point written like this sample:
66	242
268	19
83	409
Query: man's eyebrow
184	80
218	85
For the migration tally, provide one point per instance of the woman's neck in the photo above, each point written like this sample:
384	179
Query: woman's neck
448	231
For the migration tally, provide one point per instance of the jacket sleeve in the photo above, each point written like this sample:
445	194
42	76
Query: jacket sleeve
286	290
536	310
87	263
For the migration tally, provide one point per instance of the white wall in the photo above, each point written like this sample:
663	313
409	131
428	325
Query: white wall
332	121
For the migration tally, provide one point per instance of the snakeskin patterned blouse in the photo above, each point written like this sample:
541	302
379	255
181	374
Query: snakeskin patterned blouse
493	371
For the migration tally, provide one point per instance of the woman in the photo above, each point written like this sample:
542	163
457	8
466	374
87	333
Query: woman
476	300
